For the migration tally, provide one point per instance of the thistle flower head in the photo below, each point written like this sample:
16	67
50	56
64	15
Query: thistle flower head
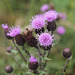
44	8
32	59
14	31
62	16
5	26
39	16
61	30
38	23
45	39
50	15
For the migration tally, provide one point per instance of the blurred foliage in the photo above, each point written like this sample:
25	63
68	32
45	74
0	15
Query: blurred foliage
20	12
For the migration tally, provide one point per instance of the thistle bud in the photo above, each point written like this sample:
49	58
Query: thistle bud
20	40
31	41
51	26
8	69
33	63
67	53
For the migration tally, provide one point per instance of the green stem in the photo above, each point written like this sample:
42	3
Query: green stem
19	51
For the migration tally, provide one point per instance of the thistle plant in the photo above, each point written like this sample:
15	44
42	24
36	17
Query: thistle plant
41	37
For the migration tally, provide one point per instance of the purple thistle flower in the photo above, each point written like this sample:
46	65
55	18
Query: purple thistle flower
32	59
38	23
39	16
44	8
14	31
61	30
50	16
62	16
45	39
5	26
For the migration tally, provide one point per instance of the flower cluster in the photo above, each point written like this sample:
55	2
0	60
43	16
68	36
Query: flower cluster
44	26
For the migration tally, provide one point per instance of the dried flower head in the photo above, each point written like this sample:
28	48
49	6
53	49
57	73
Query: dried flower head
31	41
5	26
44	8
50	15
45	39
61	30
14	31
38	23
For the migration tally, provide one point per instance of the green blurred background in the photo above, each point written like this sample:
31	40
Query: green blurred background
19	12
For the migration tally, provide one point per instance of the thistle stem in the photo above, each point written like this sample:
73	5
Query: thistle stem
38	48
65	66
39	52
19	51
46	60
26	51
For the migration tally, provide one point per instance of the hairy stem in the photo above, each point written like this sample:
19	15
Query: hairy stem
26	51
19	51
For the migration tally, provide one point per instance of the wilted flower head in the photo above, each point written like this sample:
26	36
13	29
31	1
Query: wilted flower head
5	26
61	30
62	16
44	8
32	59
45	39
14	31
38	23
50	15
